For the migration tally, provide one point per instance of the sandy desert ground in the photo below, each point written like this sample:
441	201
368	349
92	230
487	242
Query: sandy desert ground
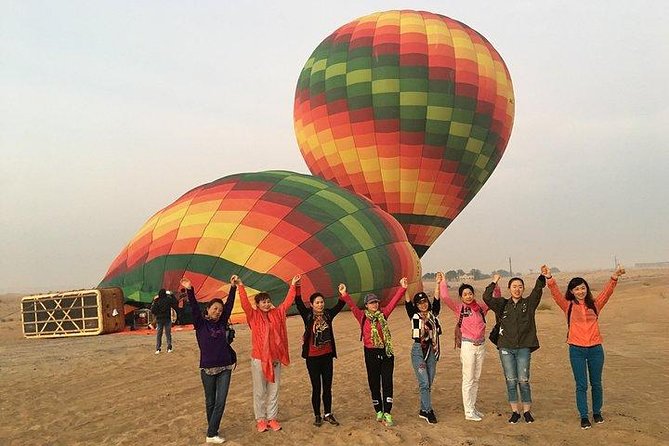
112	389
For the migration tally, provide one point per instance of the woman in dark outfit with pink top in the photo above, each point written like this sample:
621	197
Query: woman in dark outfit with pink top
379	357
217	359
319	350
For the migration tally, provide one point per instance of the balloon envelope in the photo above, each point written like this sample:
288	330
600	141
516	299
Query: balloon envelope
411	109
267	227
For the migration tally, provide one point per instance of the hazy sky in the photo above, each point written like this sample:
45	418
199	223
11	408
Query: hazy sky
111	110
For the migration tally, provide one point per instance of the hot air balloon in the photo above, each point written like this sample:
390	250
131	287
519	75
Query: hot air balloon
409	108
266	227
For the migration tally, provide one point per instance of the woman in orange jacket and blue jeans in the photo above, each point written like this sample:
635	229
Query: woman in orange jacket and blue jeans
585	342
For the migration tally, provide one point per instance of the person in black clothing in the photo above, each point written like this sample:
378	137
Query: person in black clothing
162	309
517	339
319	350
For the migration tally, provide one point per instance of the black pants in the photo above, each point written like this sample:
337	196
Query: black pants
320	374
380	369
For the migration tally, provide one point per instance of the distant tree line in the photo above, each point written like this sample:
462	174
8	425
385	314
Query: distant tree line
453	275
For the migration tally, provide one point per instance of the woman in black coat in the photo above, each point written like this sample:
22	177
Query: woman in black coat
319	350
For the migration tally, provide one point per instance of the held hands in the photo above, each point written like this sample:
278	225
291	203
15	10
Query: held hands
546	272
440	277
342	289
296	280
186	283
620	270
496	277
234	280
404	283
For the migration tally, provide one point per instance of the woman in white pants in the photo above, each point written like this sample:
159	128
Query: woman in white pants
470	326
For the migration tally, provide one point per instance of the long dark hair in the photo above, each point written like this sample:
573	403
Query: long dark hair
573	283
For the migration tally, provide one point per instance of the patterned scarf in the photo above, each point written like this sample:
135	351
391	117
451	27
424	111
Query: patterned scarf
374	318
320	334
429	333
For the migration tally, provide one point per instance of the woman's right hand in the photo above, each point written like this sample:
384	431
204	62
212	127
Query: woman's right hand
496	277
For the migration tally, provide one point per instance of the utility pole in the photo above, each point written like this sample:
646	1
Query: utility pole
510	269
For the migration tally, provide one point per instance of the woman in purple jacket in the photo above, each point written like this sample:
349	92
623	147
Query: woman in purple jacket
217	358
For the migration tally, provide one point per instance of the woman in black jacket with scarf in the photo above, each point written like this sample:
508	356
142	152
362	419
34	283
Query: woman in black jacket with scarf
319	349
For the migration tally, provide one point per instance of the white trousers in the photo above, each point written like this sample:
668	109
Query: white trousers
265	393
471	357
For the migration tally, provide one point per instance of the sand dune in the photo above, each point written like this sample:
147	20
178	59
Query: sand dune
112	389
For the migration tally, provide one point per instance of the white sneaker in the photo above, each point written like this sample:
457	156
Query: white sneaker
216	439
157	352
473	417
169	350
476	411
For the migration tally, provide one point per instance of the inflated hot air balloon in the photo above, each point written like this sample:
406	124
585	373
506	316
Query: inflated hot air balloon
409	108
266	227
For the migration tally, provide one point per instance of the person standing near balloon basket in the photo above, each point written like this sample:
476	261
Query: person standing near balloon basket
319	350
470	327
269	350
517	339
217	358
378	347
425	332
586	353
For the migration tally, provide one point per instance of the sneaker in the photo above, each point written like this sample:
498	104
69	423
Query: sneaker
476	411
157	352
597	418
388	419
379	416
330	418
261	425
423	414
431	417
528	417
274	425
585	423
169	350
473	416
215	439
318	421
515	417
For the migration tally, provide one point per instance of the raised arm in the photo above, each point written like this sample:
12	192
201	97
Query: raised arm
603	297
299	303
557	295
404	284
443	294
244	300
290	296
337	308
230	301
355	311
495	304
535	295
194	307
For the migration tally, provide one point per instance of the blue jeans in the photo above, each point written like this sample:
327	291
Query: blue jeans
587	361
425	371
215	393
167	326
516	366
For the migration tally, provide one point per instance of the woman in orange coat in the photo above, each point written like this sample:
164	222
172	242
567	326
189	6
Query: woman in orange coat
585	342
269	350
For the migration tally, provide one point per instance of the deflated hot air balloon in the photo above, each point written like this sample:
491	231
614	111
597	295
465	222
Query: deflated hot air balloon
409	108
266	227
